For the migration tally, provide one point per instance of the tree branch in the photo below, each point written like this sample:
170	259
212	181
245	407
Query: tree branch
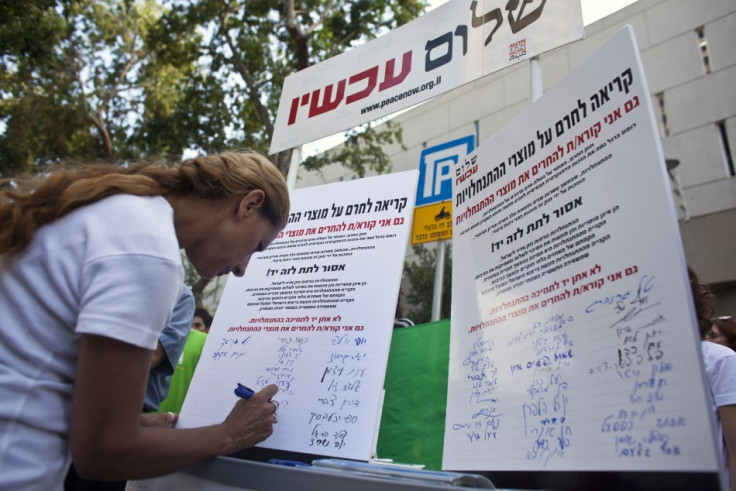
78	75
93	117
237	60
322	18
134	56
301	37
292	24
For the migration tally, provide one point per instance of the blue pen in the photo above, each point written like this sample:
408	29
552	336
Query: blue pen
244	392
288	463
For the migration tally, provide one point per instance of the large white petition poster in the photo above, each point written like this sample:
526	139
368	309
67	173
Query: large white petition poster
573	344
314	315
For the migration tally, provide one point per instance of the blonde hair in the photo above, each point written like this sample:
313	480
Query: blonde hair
212	177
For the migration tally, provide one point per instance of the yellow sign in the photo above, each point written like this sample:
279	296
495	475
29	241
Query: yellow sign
432	222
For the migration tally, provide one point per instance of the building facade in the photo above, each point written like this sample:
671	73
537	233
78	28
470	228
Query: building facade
688	49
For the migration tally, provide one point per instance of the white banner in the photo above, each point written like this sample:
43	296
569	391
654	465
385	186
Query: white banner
573	344
456	43
314	315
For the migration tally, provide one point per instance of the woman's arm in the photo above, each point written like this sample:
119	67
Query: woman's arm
727	414
107	440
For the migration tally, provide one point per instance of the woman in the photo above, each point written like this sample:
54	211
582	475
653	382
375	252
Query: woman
720	368
90	270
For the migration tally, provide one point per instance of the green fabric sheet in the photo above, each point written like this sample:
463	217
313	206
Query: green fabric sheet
413	420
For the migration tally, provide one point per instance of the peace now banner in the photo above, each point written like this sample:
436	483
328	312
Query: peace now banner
456	43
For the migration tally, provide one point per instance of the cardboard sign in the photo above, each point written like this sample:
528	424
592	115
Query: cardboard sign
573	343
314	314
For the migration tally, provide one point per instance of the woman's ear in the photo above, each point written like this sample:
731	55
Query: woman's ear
250	203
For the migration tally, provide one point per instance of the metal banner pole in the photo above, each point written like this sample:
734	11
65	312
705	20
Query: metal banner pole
296	158
439	272
535	78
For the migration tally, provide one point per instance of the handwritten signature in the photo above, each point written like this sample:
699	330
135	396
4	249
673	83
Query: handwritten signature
628	302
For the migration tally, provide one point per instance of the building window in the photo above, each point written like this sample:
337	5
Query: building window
726	145
662	113
703	45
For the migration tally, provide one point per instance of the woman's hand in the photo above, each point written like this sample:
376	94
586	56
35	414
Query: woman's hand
251	420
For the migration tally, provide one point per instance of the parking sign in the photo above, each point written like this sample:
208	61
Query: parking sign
433	211
435	169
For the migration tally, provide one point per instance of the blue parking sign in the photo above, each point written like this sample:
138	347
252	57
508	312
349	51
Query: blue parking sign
435	169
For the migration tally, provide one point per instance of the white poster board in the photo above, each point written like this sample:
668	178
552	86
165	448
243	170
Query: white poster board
314	314
456	43
573	343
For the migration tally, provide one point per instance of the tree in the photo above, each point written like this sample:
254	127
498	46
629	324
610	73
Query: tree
29	32
97	83
104	48
421	278
255	45
125	79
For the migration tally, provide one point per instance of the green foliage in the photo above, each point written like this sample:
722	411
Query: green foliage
28	28
29	31
71	92
421	277
254	45
127	79
362	150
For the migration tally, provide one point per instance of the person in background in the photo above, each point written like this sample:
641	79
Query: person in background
402	322
90	271
720	368
188	362
399	319
202	320
169	350
723	331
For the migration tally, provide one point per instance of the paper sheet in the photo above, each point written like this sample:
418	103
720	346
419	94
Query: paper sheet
314	315
573	343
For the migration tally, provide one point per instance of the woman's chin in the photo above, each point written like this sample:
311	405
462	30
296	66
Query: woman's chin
207	274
